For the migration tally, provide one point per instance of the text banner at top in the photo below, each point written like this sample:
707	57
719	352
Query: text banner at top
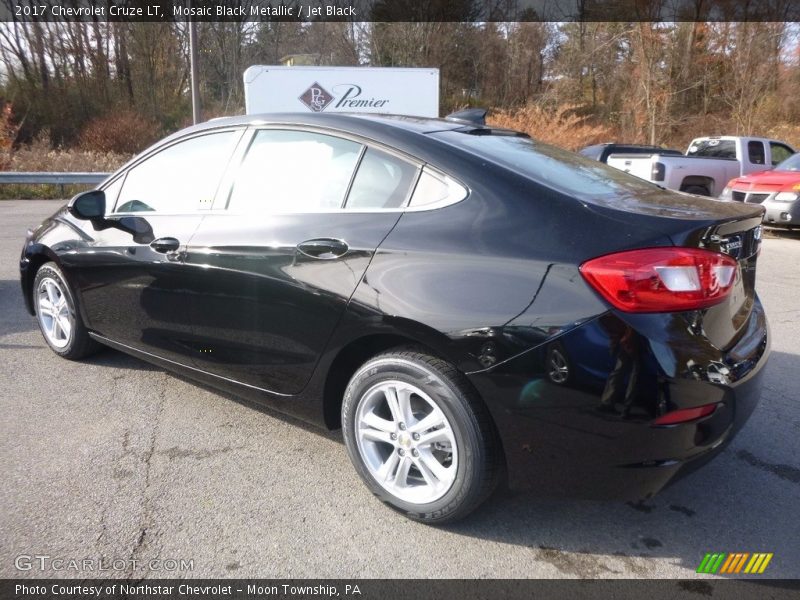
32	11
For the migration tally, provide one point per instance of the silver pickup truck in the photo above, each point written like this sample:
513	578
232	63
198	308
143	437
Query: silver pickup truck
708	165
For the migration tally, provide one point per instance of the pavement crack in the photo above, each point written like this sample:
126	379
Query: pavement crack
146	519
118	474
787	472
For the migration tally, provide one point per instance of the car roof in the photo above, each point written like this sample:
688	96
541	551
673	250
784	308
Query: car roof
355	122
404	133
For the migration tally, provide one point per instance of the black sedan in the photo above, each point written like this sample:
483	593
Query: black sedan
468	305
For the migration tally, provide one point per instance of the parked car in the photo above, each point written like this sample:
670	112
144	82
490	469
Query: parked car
778	191
403	279
601	152
709	163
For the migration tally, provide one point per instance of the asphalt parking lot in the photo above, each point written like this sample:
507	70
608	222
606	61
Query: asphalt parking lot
113	458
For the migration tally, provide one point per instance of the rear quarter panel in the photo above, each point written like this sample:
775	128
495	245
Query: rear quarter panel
492	276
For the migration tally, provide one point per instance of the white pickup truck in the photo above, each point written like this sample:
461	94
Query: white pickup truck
708	165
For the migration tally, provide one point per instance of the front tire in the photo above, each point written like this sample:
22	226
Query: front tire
57	314
419	436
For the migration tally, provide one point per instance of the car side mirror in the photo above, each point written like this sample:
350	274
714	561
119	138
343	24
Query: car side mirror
88	206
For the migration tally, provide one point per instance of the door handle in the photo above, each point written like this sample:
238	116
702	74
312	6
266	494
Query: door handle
165	244
323	248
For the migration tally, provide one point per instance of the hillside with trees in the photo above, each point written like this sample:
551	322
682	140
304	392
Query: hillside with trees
115	87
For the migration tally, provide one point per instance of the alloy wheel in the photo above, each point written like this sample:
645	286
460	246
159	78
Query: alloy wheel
55	314
406	442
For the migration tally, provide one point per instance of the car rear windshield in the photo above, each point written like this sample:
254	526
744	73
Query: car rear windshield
553	167
790	164
713	148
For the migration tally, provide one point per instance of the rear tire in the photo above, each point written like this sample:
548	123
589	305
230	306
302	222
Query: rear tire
58	316
419	436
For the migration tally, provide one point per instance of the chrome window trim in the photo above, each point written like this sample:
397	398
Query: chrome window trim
349	187
249	131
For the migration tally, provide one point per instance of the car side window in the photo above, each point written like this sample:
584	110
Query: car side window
294	171
755	152
433	189
713	148
112	191
779	152
181	178
382	181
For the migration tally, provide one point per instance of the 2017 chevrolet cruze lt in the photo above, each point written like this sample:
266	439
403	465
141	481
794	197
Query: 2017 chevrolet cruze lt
467	304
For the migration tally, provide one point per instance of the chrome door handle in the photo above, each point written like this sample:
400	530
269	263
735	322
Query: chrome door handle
323	248
165	244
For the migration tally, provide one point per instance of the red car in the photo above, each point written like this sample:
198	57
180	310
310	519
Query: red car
778	190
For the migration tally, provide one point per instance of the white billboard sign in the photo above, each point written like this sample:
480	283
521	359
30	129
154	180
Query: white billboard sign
390	90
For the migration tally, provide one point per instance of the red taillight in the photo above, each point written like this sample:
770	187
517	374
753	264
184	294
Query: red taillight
684	415
662	279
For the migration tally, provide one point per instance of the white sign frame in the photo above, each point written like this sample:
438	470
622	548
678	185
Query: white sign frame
389	90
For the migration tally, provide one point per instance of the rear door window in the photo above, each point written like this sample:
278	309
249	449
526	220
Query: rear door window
382	181
294	171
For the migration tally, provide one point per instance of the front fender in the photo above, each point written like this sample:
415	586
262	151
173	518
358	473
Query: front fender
55	237
33	256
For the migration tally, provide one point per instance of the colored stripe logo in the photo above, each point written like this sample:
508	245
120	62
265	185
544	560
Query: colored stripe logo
735	563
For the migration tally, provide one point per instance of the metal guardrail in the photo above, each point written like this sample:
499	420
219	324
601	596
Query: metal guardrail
51	178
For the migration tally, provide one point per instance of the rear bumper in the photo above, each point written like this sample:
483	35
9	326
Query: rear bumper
592	436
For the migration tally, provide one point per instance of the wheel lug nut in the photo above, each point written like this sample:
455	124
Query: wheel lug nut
415	452
393	436
401	452
416	437
402	426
